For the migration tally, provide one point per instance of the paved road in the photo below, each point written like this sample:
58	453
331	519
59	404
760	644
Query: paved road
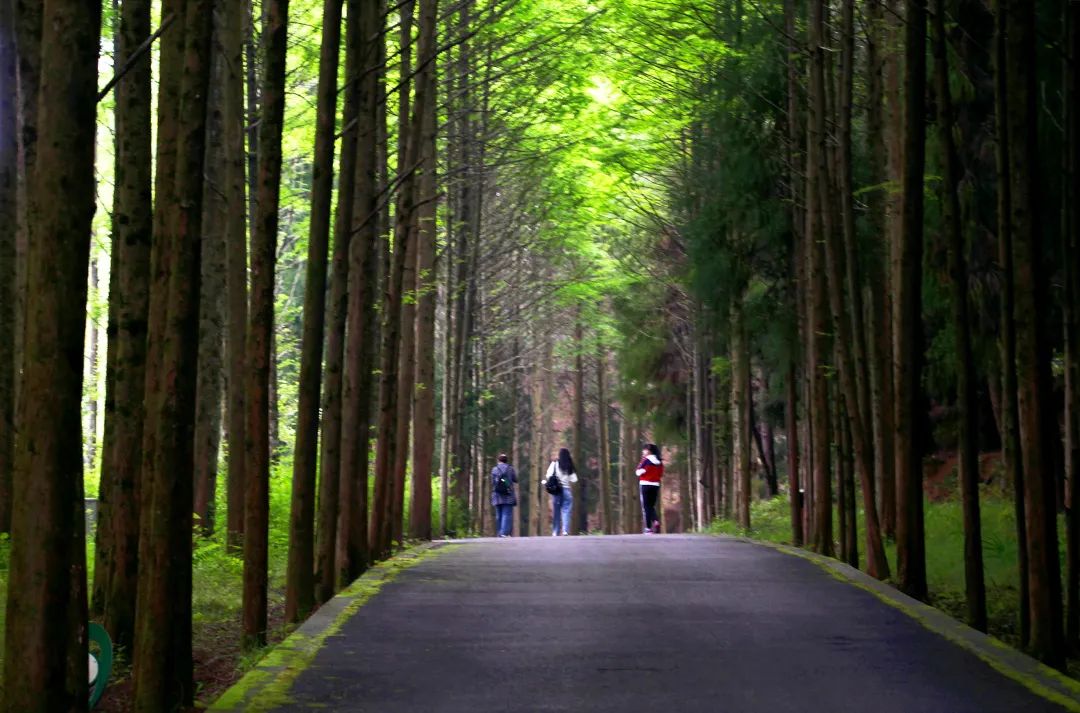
640	623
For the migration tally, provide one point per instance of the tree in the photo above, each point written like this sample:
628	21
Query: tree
230	33
424	406
330	462
261	322
163	680
974	586
9	176
353	543
117	546
1037	437
300	584
46	599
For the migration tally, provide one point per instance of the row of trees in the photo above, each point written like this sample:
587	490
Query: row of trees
449	269
872	236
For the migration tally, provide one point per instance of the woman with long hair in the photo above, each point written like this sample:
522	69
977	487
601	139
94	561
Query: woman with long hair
562	467
649	472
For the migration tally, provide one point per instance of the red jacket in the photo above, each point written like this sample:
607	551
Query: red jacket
650	470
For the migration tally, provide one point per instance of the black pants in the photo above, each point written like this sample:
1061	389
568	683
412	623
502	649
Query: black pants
649	495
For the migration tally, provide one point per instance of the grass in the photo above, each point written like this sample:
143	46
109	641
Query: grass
771	522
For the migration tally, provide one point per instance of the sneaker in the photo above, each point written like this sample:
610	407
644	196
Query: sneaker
565	533
646	531
656	527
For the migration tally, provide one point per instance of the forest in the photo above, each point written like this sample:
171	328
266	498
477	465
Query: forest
280	279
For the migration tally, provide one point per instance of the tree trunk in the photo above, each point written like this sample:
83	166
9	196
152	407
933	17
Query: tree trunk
209	381
1072	319
816	231
330	459
974	586
424	408
580	515
168	103
231	36
741	414
299	577
907	317
1038	430
847	355
792	433
1010	434
46	596
163	679
9	218
260	352
353	551
93	352
117	545
607	519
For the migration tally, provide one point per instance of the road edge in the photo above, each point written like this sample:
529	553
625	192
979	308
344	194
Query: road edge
1012	663
266	686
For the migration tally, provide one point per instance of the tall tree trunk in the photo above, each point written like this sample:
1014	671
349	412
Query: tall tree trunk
817	187
299	577
741	413
1038	430
387	443
536	445
231	36
163	679
1010	433
792	433
353	549
894	202
330	459
424	408
116	551
580	515
844	317
9	218
261	323
1071	204
93	352
606	519
907	317
974	586
209	380
46	596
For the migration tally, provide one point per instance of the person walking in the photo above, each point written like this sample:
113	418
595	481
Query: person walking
503	497
562	501
649	472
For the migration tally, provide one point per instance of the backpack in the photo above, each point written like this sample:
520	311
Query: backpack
502	482
553	485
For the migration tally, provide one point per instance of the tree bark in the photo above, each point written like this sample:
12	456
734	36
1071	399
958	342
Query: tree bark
9	218
1038	427
427	187
844	319
1010	435
816	232
741	414
299	577
907	317
353	551
330	458
117	545
209	381
46	595
604	500
974	586
261	324
580	516
231	37
163	679
1071	205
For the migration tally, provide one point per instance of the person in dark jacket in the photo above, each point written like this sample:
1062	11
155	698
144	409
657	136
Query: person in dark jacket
503	496
649	472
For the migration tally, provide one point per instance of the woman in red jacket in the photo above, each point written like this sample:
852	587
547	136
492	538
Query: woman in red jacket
649	472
